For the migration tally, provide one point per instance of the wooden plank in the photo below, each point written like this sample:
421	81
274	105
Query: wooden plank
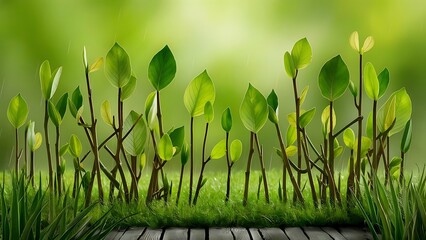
197	233
353	233
240	233
132	233
295	233
254	233
115	235
175	234
152	234
333	233
220	234
316	233
273	234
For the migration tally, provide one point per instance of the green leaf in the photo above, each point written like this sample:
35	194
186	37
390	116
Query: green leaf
383	81
369	125
199	91
45	79
76	102
272	116
135	142
349	138
55	81
371	82
403	109
291	118
38	141
394	165
177	136
54	115
142	159
151	109
184	154
353	89
338	151
208	112
390	114
31	138
235	150
219	150
96	65
368	45
365	145
75	146
291	135
226	120
303	95
406	137
301	54
162	69
273	101
64	149
117	66
165	148
61	105
354	41
254	110
17	111
291	151
129	88
290	69
306	118
334	78
106	113
325	118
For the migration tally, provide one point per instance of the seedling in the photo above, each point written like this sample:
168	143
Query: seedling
34	141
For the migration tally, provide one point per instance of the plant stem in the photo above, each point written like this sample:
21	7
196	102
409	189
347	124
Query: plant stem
16	152
203	165
32	167
191	172
153	182
229	166
299	149
350	186
159	115
262	166
182	168
134	179
375	160
359	107
58	164
247	179
26	152
308	166
401	168
331	157
47	143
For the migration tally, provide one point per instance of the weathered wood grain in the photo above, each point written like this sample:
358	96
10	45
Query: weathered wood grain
175	234
273	234
152	234
220	234
197	233
316	233
132	233
240	233
333	233
352	233
295	233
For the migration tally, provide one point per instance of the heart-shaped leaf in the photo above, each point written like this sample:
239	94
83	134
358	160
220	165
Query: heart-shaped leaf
371	82
254	110
17	111
403	109
162	69
129	88
75	146
334	78
135	142
219	150
236	150
306	118
117	66
406	137
226	120
165	148
199	91
301	54
208	112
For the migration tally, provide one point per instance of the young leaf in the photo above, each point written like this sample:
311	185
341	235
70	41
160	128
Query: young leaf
354	41
64	149
184	154
303	95
325	118
219	150
383	81
291	135
54	114
368	45
129	88
369	125
17	111
151	109
235	150
177	136
371	82
394	166
406	137
75	146
199	91
334	78
306	118
208	112
338	151
349	138
390	114
289	65
135	142
45	79
165	148
106	113
253	110
353	89
226	120
61	105
117	66
291	151
38	141
365	145
76	102
403	109
142	159
272	100
85	63
162	69
272	116
291	118
301	54
31	138
96	65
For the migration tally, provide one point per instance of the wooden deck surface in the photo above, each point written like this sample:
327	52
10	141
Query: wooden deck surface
290	233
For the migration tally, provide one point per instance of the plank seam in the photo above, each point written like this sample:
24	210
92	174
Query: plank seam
127	228
143	232
260	233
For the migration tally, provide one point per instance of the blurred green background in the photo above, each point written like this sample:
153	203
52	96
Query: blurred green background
237	42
